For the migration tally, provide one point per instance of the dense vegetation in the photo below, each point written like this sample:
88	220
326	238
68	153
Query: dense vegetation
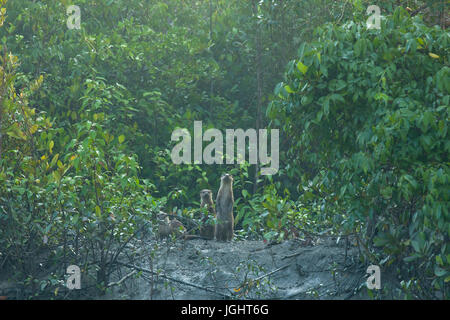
86	118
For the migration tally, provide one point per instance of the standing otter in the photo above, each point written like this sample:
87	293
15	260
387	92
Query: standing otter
224	206
207	228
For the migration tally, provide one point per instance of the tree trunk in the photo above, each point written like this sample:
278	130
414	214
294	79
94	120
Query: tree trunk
259	83
211	93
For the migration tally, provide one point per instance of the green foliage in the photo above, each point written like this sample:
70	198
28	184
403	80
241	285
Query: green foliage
63	195
86	118
158	66
368	111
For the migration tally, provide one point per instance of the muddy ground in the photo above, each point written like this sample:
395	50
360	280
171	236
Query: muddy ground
320	268
200	269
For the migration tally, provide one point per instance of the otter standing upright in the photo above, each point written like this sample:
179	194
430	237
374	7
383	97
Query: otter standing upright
207	229
224	208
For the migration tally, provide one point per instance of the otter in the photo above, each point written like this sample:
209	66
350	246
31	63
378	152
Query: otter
168	227
207	228
224	208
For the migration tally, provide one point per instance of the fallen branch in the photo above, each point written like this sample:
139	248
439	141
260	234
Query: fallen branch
272	272
305	291
122	280
295	254
175	280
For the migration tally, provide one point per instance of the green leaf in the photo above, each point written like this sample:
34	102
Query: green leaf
326	106
288	89
438	271
380	241
121	138
415	245
411	258
337	85
97	211
15	132
54	160
301	67
34	128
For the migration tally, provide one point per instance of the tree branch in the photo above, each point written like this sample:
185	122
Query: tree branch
175	280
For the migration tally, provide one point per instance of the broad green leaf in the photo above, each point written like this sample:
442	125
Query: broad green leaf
97	211
434	56
288	89
301	67
438	271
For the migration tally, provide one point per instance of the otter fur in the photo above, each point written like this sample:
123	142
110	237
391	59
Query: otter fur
224	209
167	227
207	228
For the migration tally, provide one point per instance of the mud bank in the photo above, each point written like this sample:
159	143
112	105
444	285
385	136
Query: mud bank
200	269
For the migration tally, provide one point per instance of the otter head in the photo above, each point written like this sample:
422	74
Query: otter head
205	195
227	178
